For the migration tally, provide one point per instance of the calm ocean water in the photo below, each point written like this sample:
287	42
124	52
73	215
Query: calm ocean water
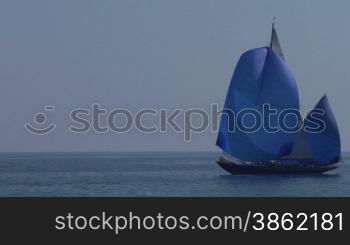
152	174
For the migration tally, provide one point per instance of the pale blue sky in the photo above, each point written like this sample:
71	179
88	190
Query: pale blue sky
155	53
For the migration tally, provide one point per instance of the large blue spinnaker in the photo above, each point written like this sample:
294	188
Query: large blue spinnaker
261	77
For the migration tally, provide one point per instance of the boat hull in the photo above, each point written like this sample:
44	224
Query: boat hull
270	169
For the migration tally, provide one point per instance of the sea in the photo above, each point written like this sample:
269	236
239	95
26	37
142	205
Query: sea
153	174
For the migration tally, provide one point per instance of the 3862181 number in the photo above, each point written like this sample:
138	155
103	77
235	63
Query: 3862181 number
299	221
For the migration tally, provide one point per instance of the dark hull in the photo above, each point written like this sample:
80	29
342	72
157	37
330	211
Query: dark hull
255	169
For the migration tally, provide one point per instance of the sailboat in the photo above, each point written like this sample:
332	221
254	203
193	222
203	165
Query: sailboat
262	77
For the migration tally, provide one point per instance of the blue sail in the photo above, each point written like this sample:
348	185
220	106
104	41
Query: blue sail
261	77
324	142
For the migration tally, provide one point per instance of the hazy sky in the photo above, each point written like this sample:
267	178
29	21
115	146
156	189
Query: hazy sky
155	53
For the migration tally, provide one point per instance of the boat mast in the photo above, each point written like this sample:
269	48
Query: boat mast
275	44
272	30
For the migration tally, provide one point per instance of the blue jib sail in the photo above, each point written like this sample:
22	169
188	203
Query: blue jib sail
324	141
261	78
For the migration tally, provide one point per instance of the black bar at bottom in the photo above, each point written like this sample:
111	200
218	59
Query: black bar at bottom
169	220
